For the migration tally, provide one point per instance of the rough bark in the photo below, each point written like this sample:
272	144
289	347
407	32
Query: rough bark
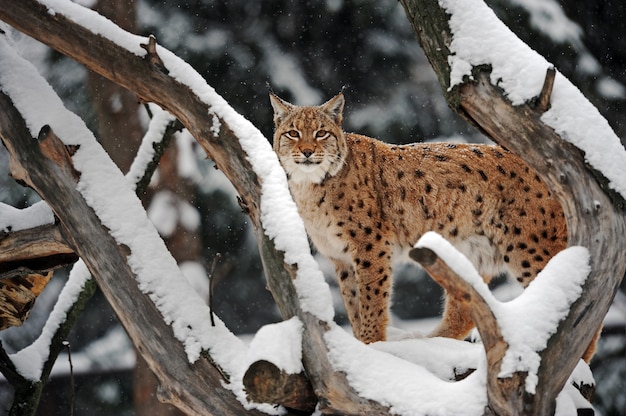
266	383
34	250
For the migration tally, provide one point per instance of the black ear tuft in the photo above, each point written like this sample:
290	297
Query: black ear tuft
281	108
334	108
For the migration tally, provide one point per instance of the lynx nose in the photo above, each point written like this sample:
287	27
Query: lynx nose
307	152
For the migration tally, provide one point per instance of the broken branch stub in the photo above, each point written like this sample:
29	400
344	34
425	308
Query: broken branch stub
266	383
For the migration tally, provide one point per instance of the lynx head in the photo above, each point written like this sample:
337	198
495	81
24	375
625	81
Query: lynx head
308	140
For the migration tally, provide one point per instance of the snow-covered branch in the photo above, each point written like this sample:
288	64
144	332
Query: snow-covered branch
236	147
514	334
111	261
491	78
34	240
106	225
31	242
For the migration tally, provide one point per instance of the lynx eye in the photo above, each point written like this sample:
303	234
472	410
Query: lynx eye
293	134
320	134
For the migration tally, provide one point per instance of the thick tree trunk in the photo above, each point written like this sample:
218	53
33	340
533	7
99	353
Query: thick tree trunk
117	109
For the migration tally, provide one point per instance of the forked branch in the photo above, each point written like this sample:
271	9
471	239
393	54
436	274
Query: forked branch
52	175
465	294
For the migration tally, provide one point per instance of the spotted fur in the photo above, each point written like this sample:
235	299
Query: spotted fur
365	203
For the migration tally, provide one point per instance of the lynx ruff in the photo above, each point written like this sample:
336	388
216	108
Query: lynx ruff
364	204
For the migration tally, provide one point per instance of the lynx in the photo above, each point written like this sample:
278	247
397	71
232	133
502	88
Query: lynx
365	203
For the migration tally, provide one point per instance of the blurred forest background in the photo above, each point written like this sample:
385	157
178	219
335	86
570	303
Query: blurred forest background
307	51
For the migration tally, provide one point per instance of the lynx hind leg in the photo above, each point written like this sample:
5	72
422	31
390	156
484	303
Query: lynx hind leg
349	294
455	323
591	349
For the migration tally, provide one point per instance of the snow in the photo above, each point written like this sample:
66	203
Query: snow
13	219
480	38
443	357
280	344
528	321
569	399
407	388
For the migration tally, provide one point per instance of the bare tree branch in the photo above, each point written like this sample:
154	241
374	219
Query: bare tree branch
465	294
543	101
34	250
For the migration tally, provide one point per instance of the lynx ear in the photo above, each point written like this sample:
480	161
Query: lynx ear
334	108
281	108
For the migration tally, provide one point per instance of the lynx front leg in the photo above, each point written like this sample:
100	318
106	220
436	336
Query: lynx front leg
349	294
455	322
374	286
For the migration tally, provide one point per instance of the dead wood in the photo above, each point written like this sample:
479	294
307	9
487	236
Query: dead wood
35	250
17	297
266	383
480	312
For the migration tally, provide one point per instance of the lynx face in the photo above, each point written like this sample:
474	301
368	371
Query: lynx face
308	140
